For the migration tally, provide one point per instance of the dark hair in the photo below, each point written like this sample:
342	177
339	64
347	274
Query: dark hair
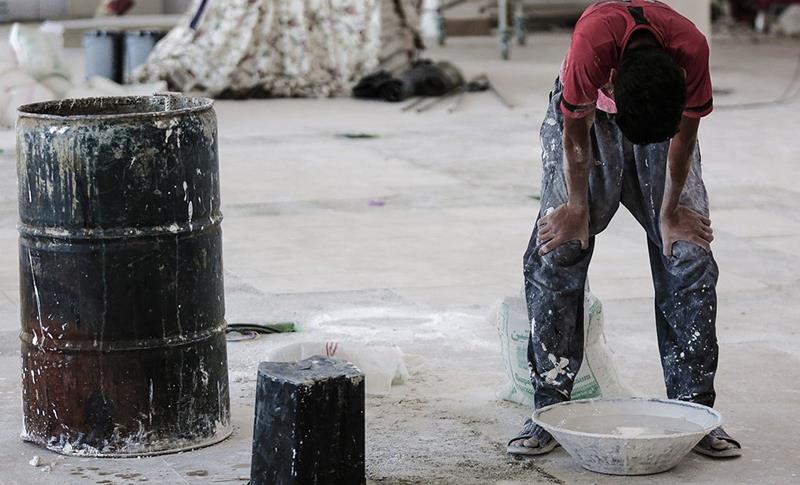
650	93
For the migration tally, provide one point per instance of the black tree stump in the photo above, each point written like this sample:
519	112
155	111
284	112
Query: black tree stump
309	425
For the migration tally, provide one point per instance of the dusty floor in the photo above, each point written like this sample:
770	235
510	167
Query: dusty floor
302	240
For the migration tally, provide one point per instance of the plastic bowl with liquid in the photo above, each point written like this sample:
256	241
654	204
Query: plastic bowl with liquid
629	436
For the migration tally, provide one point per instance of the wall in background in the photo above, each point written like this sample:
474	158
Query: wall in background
176	6
86	8
698	11
31	9
60	9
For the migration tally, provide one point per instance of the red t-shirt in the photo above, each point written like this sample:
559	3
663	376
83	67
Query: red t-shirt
599	40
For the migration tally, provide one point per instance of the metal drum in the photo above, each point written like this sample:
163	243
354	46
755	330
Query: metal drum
104	54
122	303
138	46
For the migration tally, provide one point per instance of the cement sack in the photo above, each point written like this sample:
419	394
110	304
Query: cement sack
597	376
17	87
40	54
382	366
789	21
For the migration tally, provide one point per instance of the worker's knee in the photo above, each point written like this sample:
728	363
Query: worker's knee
692	261
684	252
568	254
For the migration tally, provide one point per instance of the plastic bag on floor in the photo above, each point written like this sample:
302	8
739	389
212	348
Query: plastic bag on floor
382	366
597	376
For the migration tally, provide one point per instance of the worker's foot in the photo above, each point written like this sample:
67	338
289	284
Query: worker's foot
531	441
718	444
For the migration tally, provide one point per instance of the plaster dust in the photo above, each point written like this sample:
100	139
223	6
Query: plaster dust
448	401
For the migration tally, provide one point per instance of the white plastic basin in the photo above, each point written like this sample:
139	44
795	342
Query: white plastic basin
630	436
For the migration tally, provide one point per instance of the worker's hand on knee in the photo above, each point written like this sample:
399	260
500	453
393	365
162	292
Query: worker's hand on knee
685	224
564	224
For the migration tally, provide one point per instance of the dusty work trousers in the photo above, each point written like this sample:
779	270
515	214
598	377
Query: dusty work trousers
685	296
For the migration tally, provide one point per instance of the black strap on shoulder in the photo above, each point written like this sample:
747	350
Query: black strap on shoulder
638	15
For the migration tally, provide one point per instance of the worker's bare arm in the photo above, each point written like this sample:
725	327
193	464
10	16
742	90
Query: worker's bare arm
678	222
570	221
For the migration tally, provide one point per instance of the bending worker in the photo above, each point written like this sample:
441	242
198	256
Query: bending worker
622	127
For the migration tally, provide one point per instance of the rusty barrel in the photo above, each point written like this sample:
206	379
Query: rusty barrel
122	303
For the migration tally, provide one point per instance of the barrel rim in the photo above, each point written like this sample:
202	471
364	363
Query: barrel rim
28	110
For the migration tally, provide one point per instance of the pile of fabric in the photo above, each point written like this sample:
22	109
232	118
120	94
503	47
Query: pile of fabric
423	78
284	48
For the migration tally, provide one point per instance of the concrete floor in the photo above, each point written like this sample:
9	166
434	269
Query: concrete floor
303	241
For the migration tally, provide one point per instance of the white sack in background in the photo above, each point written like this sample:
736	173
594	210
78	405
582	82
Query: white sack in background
17	87
40	53
789	21
34	70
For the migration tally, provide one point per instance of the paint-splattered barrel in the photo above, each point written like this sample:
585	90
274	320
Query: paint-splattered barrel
122	304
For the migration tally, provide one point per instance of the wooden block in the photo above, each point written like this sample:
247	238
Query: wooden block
309	424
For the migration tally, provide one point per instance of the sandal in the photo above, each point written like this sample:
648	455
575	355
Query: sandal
531	430
733	450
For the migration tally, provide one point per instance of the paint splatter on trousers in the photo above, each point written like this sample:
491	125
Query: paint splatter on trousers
685	295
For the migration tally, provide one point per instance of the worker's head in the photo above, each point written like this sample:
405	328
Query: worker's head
650	93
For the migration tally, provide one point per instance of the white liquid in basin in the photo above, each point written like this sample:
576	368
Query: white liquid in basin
629	425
